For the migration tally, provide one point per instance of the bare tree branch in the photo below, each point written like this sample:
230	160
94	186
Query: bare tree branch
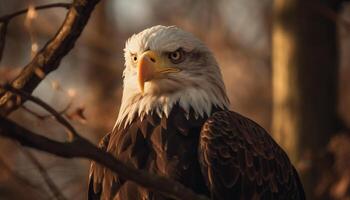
49	57
81	148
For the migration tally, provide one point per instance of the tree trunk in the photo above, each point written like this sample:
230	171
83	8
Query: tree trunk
305	74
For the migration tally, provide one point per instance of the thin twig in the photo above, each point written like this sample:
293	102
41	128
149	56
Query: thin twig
72	132
41	169
8	17
3	31
17	176
46	116
4	21
20	179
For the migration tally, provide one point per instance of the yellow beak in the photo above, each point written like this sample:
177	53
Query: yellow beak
151	66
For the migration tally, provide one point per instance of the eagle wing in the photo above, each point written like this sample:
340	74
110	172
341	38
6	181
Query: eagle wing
239	159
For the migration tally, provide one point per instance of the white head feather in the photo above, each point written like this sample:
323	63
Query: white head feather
198	86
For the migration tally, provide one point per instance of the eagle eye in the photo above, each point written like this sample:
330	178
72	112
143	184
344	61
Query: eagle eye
134	57
176	56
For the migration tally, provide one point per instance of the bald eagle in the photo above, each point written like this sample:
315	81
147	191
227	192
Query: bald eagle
174	121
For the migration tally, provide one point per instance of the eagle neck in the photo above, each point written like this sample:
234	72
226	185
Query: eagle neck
201	102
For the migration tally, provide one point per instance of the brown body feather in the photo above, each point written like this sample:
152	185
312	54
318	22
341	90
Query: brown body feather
225	156
241	161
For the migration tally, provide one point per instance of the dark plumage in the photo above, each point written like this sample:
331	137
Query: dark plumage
239	159
225	156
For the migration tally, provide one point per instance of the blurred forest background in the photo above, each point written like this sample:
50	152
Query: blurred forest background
286	65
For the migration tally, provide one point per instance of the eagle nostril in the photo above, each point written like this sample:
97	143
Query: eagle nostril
152	59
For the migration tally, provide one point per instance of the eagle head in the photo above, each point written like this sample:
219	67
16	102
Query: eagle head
165	66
